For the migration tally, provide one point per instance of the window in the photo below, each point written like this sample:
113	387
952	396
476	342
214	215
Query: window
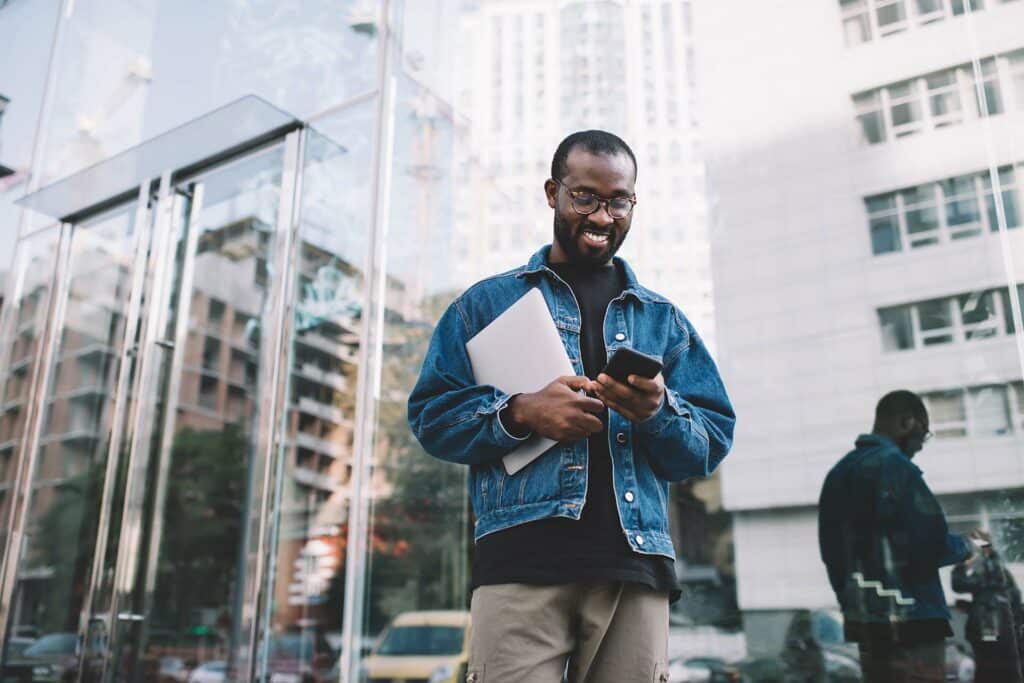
215	313
1011	198
944	98
883	219
869	114
905	108
929	10
897	328
1017	404
959	6
946	412
935	321
891	15
856	23
211	353
979	314
993	102
963	213
921	215
1016	63
988	411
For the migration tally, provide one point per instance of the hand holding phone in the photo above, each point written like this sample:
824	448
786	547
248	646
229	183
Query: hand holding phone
635	401
625	362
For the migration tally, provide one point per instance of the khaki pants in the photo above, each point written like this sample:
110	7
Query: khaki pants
604	631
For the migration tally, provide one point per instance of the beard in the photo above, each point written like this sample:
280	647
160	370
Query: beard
569	239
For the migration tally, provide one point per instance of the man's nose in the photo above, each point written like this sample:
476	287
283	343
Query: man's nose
601	217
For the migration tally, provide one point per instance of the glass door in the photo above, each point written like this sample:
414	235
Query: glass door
187	574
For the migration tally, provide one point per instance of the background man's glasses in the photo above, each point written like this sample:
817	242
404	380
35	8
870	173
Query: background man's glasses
586	203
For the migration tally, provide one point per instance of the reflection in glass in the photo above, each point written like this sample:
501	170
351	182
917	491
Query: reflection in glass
55	564
23	323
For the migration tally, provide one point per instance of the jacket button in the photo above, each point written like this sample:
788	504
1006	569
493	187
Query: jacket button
639	539
620	337
628	496
621	437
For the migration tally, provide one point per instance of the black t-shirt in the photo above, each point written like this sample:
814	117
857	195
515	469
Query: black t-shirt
559	550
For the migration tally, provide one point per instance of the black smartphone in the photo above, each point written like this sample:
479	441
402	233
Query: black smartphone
625	362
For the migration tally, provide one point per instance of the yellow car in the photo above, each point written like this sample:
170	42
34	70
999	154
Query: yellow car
421	647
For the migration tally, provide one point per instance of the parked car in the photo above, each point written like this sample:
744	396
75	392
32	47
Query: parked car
813	649
209	672
702	670
51	659
426	646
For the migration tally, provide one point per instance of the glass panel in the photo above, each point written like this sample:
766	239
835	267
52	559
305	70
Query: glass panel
897	329
856	23
892	16
947	413
872	123
989	411
23	323
963	214
921	216
315	490
978	314
905	108
193	556
936	321
239	122
944	97
56	563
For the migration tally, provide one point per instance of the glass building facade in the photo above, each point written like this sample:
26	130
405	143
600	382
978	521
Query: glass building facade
227	230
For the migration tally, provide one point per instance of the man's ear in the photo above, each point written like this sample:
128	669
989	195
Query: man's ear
907	424
551	191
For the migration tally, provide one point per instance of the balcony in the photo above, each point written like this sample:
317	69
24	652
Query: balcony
314	479
313	443
321	410
326	377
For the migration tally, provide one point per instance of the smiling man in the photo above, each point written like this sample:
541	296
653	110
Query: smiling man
574	567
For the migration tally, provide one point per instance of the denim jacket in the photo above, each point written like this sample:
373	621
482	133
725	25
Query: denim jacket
456	419
882	537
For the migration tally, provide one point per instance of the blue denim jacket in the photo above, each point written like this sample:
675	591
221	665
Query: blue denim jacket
456	419
882	537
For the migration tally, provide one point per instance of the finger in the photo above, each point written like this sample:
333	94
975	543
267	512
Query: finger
575	382
590	405
645	385
613	387
622	409
590	423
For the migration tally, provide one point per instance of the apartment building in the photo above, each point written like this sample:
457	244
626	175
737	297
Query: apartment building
865	159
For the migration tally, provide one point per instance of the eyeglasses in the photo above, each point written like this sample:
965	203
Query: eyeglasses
586	203
926	436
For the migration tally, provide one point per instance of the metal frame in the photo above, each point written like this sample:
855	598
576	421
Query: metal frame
143	226
26	458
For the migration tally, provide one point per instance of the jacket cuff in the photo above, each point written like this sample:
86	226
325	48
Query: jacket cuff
672	408
499	435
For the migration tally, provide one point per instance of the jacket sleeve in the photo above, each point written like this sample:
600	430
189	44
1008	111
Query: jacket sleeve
693	429
964	579
927	542
454	418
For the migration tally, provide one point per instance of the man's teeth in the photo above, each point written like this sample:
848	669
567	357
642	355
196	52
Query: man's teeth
596	236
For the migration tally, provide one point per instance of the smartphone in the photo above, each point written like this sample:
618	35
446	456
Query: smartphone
625	362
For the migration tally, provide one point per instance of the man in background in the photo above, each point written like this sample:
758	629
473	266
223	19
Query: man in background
883	537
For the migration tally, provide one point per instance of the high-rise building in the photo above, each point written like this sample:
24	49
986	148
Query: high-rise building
541	70
866	179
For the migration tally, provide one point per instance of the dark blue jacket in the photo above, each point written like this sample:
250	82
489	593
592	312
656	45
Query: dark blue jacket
883	537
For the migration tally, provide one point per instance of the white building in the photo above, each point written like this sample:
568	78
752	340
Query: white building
543	69
857	250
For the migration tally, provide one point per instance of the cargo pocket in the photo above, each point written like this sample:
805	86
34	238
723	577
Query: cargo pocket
661	673
475	674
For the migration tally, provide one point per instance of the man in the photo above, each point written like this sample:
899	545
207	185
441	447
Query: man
994	617
574	562
883	538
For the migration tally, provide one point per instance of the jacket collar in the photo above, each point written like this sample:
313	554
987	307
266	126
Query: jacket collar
879	441
538	265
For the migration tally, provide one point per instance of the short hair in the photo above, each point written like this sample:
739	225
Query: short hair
897	404
595	142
